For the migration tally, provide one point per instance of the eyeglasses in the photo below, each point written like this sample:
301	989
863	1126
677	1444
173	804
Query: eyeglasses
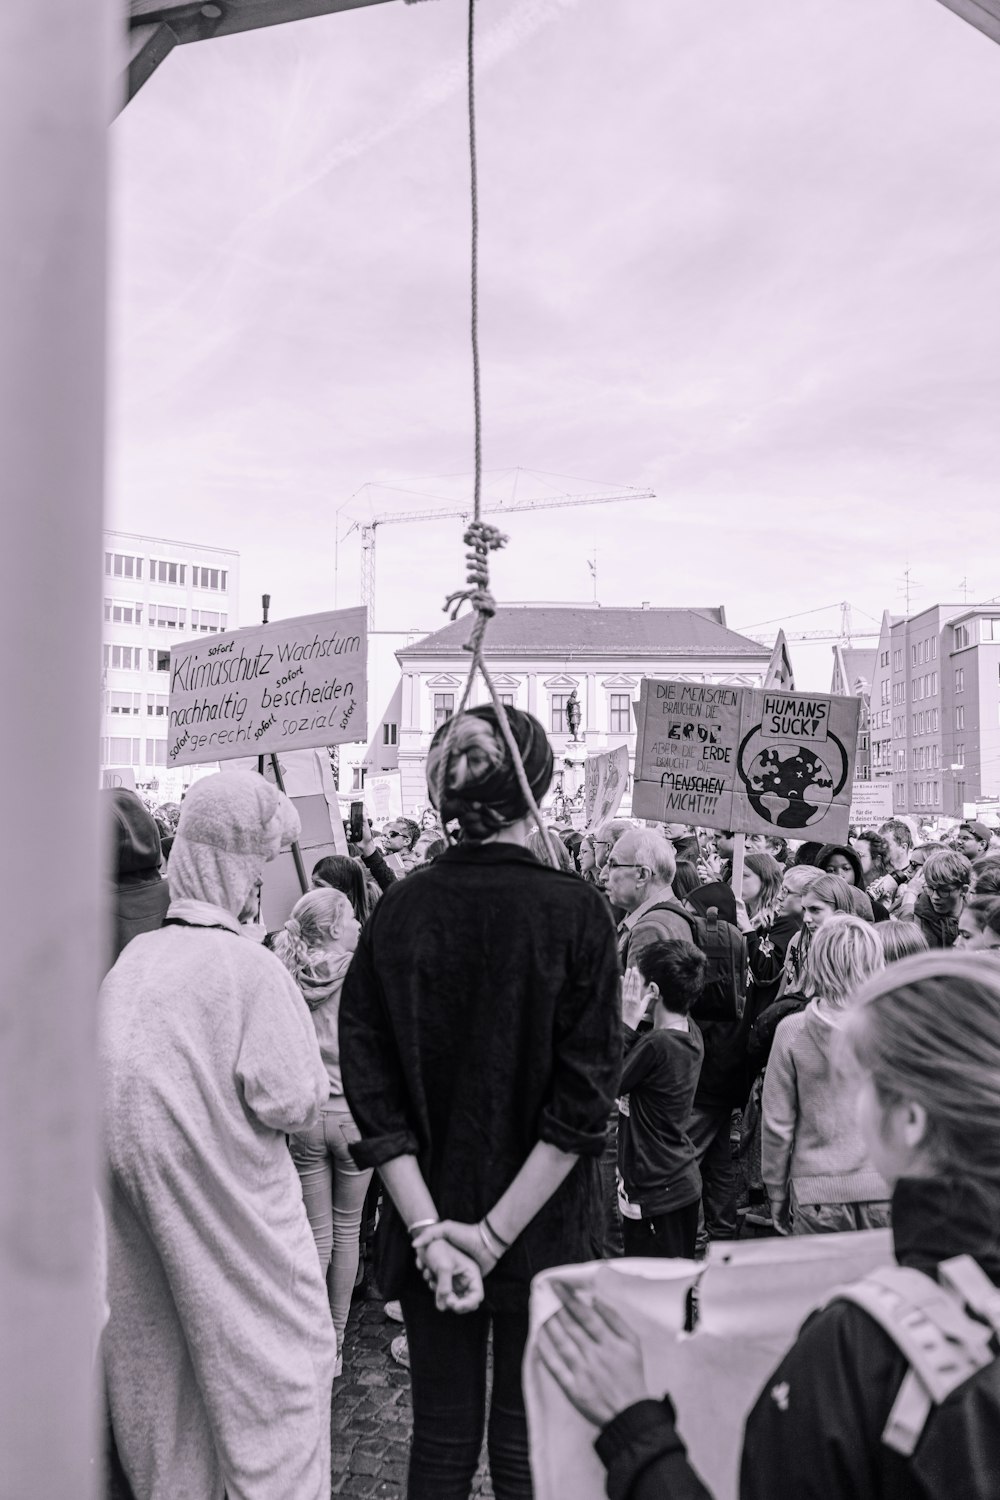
615	864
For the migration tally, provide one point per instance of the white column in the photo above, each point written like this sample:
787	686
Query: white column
590	718
56	80
533	693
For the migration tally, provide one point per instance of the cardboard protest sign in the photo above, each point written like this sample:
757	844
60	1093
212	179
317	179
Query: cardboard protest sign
383	797
605	779
756	760
871	804
292	685
308	779
113	777
752	1300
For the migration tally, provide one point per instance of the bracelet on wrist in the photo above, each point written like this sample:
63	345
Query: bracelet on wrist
493	1247
498	1237
414	1229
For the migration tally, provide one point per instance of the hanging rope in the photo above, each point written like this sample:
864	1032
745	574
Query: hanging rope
480	538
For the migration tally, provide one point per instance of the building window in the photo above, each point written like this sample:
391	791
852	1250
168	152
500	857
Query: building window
207	620
156	752
156	705
166	617
960	717
124	703
557	703
209	578
158	661
897	661
122	565
357	778
989	630
933	687
507	699
933	648
883	660
961	637
959	679
388	734
621	713
124	658
914	656
123	752
166	572
444	707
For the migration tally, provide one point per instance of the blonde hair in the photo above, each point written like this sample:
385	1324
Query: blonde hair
901	940
843	954
928	1029
799	878
302	944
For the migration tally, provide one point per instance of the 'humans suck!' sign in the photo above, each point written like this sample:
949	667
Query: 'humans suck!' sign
291	685
756	760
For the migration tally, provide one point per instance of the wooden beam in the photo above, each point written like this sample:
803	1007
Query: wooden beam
983	14
200	20
157	26
148	44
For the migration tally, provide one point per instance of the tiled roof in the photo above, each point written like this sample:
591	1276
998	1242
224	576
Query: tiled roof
569	632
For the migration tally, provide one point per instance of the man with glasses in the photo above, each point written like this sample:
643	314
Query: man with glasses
640	873
399	837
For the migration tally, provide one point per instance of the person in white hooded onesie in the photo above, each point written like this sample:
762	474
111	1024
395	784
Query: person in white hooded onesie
219	1349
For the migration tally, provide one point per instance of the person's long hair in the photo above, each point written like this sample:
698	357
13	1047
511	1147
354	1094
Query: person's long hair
844	953
928	1029
302	943
833	892
341	873
769	873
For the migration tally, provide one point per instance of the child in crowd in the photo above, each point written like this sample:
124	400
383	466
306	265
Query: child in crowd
316	946
947	877
815	1168
659	1184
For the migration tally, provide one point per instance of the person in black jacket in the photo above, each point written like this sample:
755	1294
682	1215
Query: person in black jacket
481	1053
925	1038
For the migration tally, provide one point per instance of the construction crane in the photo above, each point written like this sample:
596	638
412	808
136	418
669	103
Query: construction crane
846	635
369	528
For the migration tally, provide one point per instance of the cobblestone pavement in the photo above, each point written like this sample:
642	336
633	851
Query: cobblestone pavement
371	1412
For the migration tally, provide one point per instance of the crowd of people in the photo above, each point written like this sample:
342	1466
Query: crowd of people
518	1047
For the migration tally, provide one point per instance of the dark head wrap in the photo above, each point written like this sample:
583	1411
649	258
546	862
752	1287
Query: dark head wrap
470	772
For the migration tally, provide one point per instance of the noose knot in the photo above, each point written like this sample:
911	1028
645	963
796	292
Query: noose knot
480	539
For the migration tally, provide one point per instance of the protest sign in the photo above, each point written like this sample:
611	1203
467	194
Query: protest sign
752	1300
308	780
756	760
605	778
383	797
291	685
113	777
871	804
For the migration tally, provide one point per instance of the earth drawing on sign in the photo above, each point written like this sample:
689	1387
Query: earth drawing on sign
791	785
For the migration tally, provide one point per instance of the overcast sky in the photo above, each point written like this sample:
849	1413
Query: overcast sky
744	255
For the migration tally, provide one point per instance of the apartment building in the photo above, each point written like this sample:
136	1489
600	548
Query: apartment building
935	718
156	591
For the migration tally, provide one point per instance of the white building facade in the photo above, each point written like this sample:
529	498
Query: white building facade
156	592
540	655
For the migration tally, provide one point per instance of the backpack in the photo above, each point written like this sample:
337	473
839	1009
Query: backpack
724	997
947	1330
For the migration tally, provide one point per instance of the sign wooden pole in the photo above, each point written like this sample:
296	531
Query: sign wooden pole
279	781
739	856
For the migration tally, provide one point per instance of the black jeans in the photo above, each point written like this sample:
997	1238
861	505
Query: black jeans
663	1235
709	1131
448	1384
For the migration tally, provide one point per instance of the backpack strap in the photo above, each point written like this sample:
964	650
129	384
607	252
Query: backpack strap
943	1344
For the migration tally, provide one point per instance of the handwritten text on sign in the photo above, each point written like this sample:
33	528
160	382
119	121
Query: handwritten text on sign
295	684
753	760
